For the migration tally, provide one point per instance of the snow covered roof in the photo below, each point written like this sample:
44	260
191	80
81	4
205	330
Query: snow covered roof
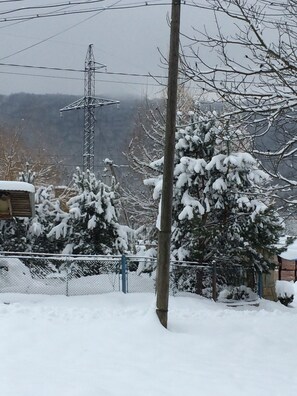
291	252
16	186
17	199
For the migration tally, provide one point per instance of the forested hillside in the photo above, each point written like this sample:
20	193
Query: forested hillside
43	129
41	126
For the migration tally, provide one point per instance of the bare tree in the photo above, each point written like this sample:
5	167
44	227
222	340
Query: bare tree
16	156
250	64
146	145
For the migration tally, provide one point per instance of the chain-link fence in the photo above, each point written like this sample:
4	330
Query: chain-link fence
209	280
140	274
75	275
79	275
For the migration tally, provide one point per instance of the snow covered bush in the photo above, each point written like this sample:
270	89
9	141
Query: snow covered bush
240	293
14	275
285	292
145	258
185	279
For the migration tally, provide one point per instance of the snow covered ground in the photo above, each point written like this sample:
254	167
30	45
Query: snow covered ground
112	344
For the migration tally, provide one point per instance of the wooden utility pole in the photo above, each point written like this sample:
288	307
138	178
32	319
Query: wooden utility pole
167	189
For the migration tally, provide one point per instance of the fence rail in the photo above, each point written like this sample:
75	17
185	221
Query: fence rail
39	273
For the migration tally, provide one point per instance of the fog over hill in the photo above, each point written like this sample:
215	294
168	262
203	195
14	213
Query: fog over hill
38	120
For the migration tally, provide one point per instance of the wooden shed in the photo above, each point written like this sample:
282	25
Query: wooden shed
287	263
16	199
287	269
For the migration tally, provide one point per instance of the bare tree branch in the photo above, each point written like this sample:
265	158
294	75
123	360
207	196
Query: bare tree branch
253	70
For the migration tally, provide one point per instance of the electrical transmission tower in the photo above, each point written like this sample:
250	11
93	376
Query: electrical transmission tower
89	102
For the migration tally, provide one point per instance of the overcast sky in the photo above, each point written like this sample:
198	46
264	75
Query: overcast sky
125	40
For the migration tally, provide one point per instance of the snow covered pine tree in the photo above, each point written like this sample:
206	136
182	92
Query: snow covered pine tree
91	226
48	213
220	210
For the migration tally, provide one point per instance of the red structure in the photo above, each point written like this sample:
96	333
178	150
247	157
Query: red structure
287	269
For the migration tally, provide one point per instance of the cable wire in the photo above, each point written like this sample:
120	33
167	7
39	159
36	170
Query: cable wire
82	11
57	34
68	3
81	70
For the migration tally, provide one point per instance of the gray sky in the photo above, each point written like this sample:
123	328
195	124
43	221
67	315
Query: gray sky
125	40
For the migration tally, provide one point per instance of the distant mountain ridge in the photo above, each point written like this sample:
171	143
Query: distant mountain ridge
41	125
38	119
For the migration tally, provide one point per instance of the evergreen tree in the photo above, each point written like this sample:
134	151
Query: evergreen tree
48	213
146	146
13	235
91	226
31	234
221	211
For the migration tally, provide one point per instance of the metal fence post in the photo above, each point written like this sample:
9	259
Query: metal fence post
214	281
67	281
124	274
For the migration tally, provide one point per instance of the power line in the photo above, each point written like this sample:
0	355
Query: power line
57	34
10	1
41	67
143	75
104	72
80	79
82	11
40	75
152	3
18	22
147	75
69	3
46	6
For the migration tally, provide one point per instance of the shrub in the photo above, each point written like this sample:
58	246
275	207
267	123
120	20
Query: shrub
240	293
285	292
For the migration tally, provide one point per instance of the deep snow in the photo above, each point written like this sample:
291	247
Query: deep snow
112	344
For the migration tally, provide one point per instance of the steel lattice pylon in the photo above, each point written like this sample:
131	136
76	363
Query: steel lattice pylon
89	102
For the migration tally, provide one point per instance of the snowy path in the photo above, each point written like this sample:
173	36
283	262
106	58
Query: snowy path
112	344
